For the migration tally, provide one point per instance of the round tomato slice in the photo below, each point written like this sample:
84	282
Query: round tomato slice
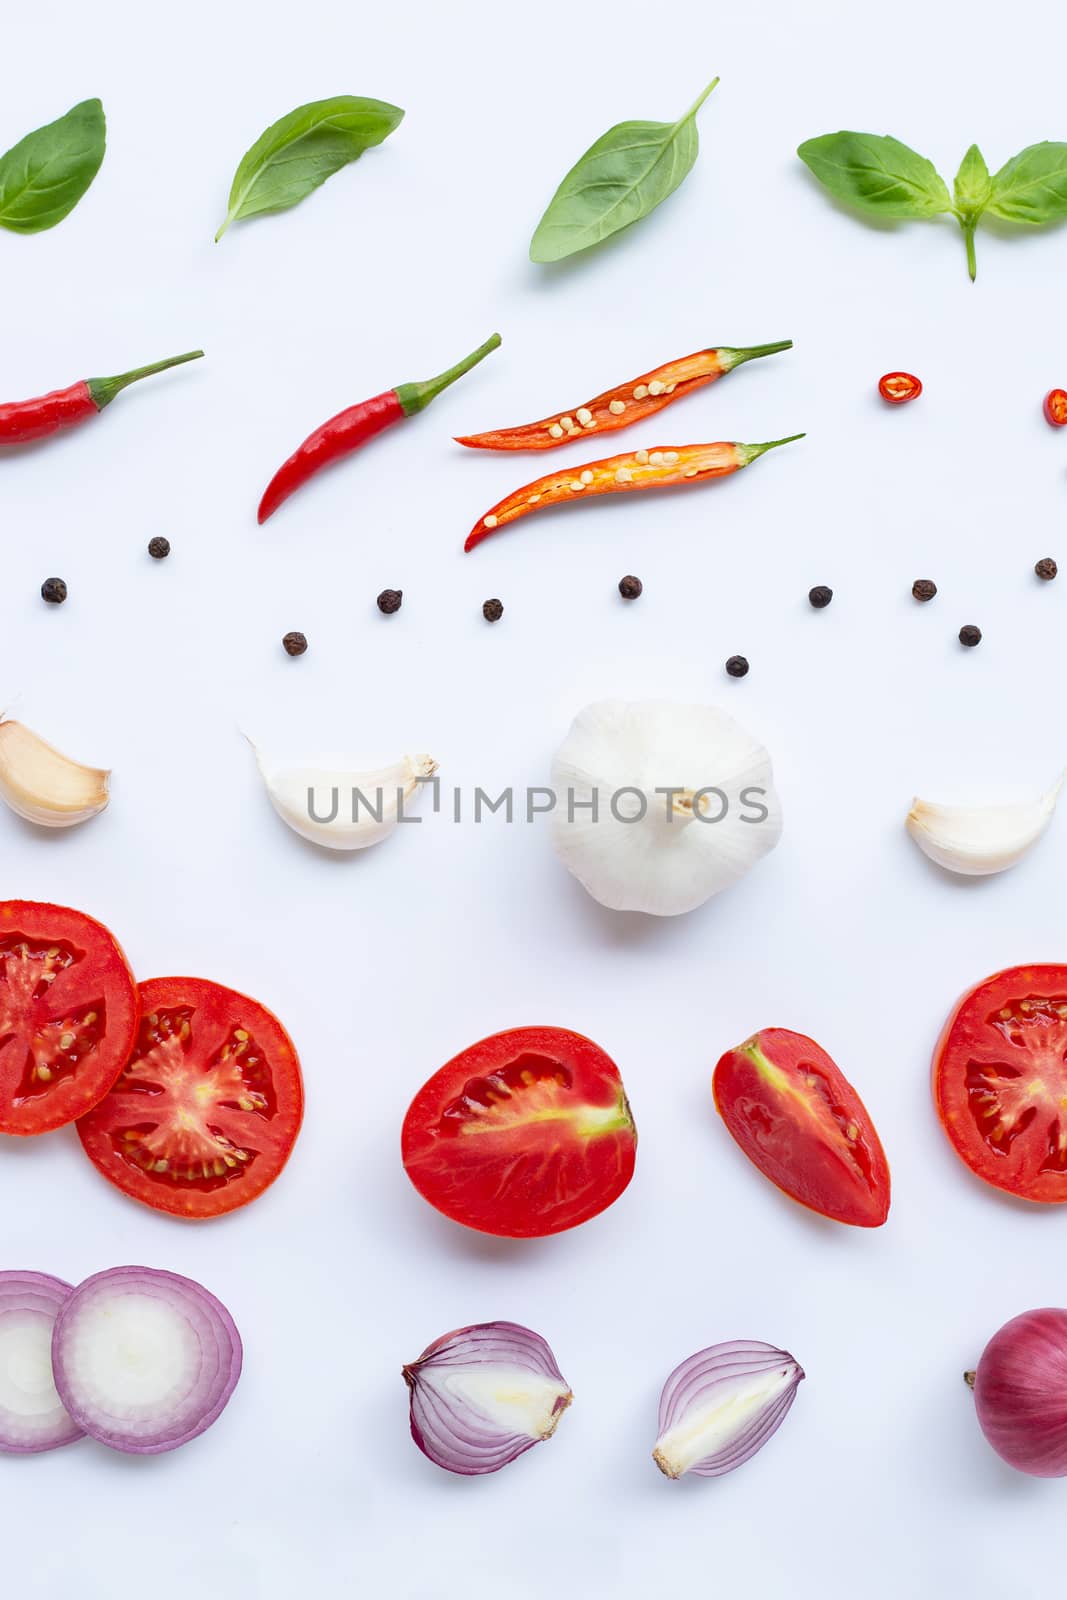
525	1134
204	1115
1000	1081
68	1015
800	1121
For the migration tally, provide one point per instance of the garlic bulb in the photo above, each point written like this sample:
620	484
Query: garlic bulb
341	809
659	806
978	840
44	786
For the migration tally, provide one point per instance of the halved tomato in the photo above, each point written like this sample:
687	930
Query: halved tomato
207	1110
1000	1081
525	1134
801	1122
68	1015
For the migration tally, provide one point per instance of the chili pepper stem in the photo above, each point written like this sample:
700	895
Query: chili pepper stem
730	356
415	396
104	390
751	451
697	103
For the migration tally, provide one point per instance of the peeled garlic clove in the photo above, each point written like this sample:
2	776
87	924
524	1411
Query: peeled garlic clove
42	785
722	1405
483	1395
637	847
978	840
345	810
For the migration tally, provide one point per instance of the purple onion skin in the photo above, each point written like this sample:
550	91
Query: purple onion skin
36	1290
1020	1393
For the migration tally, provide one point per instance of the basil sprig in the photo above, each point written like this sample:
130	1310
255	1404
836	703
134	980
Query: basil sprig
43	177
620	179
303	149
881	177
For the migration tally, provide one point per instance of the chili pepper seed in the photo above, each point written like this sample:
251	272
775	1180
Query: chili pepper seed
493	610
630	587
924	588
970	635
737	666
54	590
820	596
1046	568
159	548
294	644
390	600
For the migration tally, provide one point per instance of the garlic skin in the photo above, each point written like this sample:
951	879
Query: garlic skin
44	786
335	817
976	841
646	851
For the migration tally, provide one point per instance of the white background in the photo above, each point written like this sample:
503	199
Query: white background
384	966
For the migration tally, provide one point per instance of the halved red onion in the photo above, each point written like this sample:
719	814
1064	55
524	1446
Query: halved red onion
722	1405
32	1416
1020	1392
144	1360
483	1395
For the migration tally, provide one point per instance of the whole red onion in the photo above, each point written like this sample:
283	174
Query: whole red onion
1020	1392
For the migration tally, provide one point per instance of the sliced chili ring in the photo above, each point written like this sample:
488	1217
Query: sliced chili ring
899	387
1056	408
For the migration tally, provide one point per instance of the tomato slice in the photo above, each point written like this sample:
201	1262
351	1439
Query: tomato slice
801	1122
68	1015
525	1134
206	1112
1000	1081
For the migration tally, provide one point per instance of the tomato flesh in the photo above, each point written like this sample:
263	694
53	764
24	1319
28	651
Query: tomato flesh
1056	407
68	1015
207	1109
525	1134
899	387
800	1121
1000	1081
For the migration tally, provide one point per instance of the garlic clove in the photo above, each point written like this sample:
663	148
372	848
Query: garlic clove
45	787
976	841
343	809
722	1405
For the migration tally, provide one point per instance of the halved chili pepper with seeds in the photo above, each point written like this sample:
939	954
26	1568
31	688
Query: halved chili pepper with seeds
641	469
626	403
22	421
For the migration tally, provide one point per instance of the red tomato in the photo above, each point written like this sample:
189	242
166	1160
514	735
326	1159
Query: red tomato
1056	407
899	387
525	1134
68	1015
1000	1081
804	1126
207	1110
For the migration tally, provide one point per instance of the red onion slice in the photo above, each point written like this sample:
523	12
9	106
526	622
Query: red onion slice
722	1405
144	1361
483	1395
32	1416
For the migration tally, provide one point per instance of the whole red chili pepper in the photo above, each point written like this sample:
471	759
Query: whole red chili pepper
626	403
1056	408
642	469
349	429
24	420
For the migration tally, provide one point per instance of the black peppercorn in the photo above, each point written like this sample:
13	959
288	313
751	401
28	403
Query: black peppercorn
1046	568
389	601
493	610
820	596
630	587
924	588
159	548
54	590
294	644
737	666
970	635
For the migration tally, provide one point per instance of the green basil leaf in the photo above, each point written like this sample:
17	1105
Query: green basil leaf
973	185
43	177
876	174
1032	186
619	180
305	148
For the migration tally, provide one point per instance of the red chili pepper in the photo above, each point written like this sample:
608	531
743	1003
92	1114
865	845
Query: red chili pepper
1056	407
349	429
24	420
641	469
899	387
627	403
